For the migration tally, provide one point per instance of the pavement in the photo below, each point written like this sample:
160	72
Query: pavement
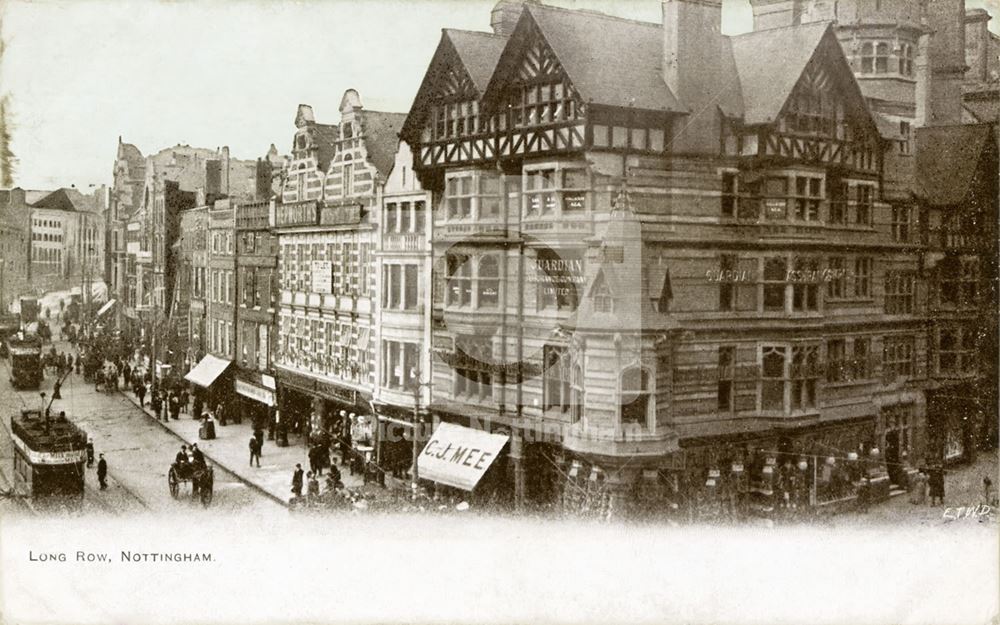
230	449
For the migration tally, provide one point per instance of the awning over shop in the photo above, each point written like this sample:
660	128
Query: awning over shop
257	393
107	306
207	370
459	456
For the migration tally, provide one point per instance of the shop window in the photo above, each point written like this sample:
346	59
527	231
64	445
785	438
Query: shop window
863	277
773	381
899	296
488	281
635	397
775	277
897	356
804	374
557	379
725	394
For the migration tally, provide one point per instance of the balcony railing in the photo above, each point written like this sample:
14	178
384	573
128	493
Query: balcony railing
403	242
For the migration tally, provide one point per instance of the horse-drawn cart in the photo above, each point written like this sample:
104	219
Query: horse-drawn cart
200	476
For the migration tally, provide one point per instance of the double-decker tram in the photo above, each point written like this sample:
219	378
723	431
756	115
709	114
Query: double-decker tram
49	458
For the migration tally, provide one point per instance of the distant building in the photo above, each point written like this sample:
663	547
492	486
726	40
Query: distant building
15	233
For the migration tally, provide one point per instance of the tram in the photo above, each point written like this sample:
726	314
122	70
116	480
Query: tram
25	360
49	456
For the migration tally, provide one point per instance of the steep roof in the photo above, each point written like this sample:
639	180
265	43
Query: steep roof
479	53
583	42
948	158
57	200
769	64
382	138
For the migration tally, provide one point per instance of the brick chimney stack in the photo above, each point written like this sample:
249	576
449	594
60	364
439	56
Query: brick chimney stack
694	49
504	17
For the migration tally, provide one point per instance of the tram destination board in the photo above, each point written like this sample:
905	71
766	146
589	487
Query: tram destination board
49	455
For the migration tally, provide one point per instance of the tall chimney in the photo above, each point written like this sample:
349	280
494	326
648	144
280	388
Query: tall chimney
504	17
694	53
947	60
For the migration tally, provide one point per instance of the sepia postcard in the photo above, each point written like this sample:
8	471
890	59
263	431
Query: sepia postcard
499	311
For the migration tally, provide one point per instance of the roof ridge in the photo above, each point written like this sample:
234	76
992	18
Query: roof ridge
788	27
592	13
474	32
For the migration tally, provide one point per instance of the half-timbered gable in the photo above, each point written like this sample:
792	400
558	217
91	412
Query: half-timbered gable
807	108
445	118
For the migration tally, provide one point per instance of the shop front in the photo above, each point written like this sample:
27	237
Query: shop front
212	381
953	418
254	392
459	457
320	412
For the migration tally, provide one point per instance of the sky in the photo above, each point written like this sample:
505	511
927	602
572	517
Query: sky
81	73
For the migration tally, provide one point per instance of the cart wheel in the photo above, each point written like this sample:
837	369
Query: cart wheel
173	482
206	488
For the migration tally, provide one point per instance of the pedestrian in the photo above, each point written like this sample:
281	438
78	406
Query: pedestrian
313	458
90	452
335	475
987	491
157	405
297	481
182	455
220	413
259	435
936	484
102	472
175	406
254	451
140	391
313	485
184	400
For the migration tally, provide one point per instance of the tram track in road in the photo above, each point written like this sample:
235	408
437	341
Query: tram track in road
92	497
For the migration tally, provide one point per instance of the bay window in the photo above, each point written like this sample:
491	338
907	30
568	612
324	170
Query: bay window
471	195
459	280
808	195
488	281
555	190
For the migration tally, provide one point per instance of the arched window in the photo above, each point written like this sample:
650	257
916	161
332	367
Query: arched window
489	281
576	396
867	58
881	58
635	397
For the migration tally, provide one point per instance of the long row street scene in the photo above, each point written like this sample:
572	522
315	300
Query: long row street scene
708	278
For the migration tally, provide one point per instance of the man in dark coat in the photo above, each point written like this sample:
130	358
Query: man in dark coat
182	455
297	481
197	457
175	406
254	451
140	391
102	472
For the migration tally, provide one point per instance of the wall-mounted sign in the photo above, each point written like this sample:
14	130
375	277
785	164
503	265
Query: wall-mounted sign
254	392
560	277
459	456
322	276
